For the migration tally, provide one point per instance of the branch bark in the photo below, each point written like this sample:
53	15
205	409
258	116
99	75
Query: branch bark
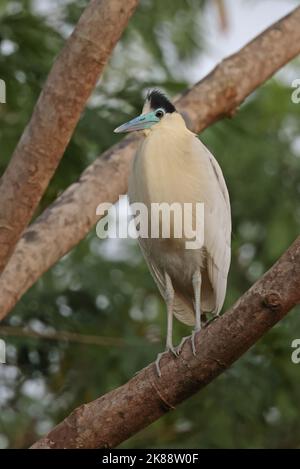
117	415
56	114
72	215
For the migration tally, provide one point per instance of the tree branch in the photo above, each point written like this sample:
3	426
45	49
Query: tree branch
117	415
72	215
56	114
60	336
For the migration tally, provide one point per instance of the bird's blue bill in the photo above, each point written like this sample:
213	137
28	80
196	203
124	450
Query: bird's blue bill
144	121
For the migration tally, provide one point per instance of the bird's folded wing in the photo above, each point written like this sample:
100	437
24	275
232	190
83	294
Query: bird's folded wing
182	311
217	234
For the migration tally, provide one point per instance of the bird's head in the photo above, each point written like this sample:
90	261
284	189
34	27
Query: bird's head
156	108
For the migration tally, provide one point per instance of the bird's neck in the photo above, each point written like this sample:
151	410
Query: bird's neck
163	162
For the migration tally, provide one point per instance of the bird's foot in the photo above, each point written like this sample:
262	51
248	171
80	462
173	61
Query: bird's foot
184	339
157	363
179	347
159	356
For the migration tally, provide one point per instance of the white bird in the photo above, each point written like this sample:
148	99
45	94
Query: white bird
173	166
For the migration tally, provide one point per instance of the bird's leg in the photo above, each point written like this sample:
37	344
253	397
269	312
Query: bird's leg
196	279
197	293
169	297
169	301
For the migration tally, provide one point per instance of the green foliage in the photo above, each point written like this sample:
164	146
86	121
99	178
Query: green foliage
104	288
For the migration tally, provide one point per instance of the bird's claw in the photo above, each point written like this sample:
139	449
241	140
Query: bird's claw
171	349
179	347
184	339
157	364
177	350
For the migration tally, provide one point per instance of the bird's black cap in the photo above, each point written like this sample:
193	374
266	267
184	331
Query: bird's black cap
157	99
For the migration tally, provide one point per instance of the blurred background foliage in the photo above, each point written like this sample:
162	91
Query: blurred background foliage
103	288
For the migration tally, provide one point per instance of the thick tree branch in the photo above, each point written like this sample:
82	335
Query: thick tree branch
117	415
73	214
56	114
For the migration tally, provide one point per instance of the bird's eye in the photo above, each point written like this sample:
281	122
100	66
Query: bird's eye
160	113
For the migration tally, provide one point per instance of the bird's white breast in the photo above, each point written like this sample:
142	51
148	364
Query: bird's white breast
167	169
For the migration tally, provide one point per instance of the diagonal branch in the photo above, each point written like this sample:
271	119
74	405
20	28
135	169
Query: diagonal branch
72	215
119	414
69	84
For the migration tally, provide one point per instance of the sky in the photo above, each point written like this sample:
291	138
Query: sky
246	18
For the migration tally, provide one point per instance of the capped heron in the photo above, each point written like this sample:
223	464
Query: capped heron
173	166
